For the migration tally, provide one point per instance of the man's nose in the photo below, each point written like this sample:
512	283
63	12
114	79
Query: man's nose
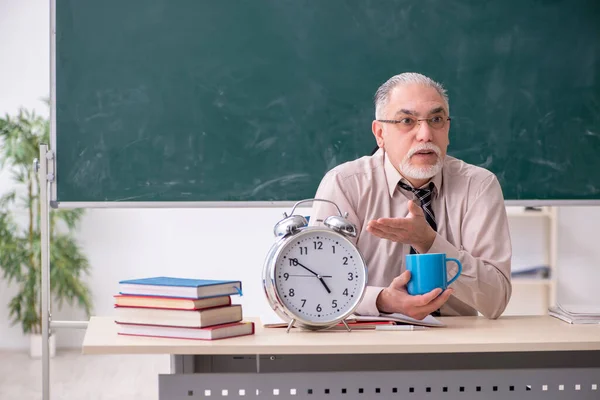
424	132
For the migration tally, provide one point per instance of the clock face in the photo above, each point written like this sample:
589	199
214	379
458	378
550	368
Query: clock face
319	276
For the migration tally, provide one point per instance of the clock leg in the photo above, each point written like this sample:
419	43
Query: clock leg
290	325
346	325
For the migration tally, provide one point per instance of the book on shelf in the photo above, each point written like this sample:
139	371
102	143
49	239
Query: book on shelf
186	318
124	300
272	320
179	287
177	332
572	317
531	272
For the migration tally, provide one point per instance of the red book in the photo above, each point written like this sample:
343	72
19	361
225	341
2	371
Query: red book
176	332
185	318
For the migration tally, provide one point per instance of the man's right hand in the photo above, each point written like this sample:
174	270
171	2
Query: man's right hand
395	299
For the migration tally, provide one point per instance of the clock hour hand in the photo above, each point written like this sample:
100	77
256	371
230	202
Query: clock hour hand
314	273
324	284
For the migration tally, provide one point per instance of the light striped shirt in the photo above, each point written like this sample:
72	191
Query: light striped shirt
472	226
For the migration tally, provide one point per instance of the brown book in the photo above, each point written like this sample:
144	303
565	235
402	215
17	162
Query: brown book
177	332
175	303
186	318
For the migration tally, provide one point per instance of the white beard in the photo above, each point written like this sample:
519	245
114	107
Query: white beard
413	172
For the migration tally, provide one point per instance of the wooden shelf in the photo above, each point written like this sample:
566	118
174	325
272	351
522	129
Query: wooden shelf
531	281
531	292
523	212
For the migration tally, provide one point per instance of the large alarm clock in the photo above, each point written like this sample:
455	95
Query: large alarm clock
314	277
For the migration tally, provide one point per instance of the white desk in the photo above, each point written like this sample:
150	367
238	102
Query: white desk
472	357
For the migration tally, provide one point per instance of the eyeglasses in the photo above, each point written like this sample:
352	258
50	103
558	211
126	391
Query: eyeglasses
407	124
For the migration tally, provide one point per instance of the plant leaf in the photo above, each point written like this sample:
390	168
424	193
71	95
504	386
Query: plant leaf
7	199
20	246
70	217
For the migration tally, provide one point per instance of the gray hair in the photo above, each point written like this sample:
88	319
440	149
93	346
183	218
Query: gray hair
383	93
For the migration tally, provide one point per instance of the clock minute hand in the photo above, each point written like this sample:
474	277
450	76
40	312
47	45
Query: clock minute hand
306	268
315	274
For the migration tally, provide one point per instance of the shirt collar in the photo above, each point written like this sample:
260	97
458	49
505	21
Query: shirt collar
393	177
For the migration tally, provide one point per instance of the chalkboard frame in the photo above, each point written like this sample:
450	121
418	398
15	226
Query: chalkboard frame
203	204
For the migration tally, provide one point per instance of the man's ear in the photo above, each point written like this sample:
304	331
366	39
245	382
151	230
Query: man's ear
377	129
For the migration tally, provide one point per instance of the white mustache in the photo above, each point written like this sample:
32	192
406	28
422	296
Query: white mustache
424	146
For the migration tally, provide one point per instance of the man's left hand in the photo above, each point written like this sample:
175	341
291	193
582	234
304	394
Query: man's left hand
413	230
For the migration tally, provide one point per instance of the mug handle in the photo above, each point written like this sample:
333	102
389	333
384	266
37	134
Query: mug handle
459	270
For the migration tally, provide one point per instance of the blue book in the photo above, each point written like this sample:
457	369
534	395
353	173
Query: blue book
179	287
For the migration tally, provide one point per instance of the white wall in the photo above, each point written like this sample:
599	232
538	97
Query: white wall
24	81
215	243
579	258
24	50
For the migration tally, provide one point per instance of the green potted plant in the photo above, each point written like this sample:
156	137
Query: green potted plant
20	247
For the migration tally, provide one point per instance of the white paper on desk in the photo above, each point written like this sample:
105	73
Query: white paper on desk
573	318
272	320
401	319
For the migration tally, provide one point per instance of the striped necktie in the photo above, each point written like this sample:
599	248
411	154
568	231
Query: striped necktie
425	197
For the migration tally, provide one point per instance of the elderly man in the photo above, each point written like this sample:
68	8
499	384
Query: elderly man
411	197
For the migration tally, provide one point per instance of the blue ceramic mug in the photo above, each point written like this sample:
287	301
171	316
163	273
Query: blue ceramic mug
428	271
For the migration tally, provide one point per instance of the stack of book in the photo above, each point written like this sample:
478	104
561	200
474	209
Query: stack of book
591	316
180	308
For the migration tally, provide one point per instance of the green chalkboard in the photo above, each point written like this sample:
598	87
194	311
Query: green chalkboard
254	100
